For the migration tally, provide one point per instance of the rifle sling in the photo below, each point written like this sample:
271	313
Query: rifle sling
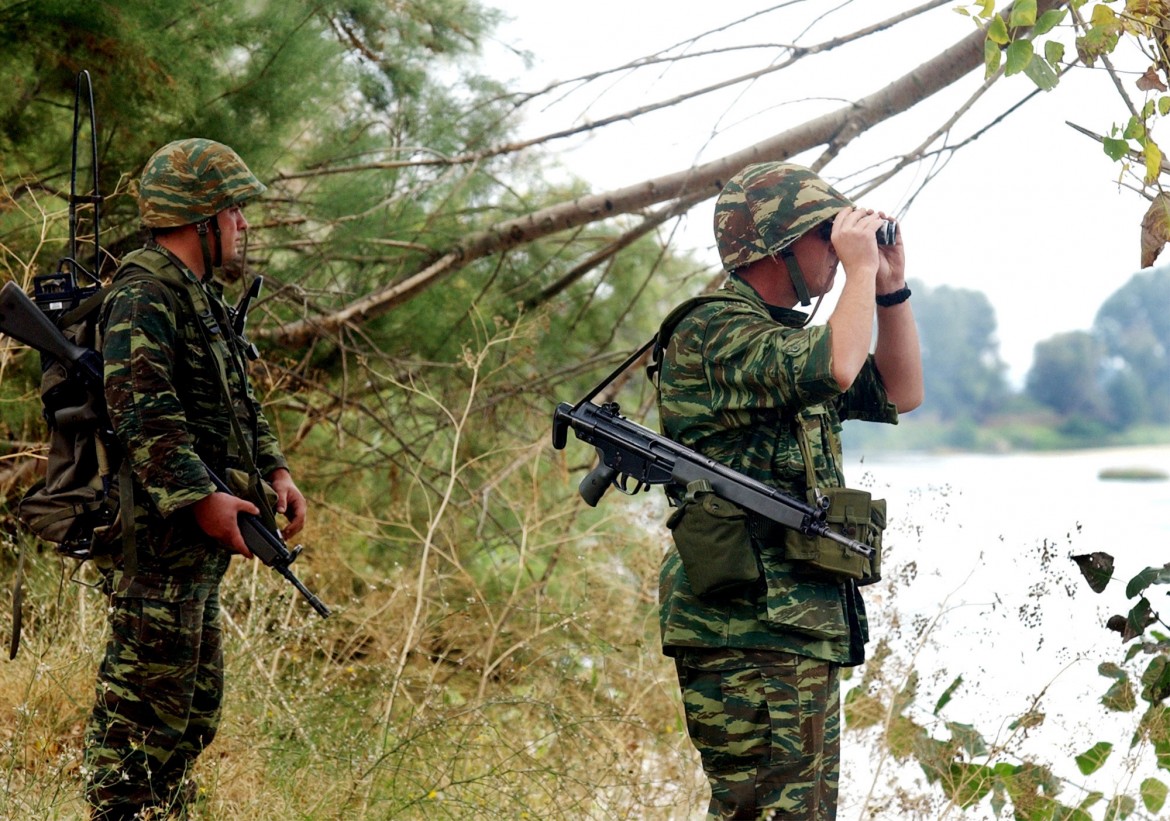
660	340
244	452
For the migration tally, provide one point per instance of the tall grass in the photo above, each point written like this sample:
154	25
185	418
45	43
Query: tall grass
493	651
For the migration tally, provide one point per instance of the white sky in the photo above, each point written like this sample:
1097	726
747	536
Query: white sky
1030	214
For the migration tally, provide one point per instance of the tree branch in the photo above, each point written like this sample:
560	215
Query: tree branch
695	184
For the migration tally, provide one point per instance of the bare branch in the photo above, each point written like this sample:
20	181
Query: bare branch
796	53
693	184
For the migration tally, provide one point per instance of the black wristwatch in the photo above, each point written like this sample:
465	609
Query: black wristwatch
894	297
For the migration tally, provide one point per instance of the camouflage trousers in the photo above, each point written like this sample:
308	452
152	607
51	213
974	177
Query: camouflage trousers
769	733
159	693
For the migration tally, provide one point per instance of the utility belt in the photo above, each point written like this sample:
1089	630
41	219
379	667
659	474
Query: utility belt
720	544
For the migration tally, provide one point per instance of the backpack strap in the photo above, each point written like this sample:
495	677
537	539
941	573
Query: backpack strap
661	339
666	330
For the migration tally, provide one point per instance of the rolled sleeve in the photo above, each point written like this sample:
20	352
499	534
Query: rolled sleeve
866	399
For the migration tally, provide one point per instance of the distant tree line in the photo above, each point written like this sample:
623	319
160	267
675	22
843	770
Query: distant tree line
1111	377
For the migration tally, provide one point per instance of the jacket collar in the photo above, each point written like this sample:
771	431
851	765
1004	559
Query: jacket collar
785	316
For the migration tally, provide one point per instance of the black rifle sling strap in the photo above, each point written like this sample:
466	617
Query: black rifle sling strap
660	340
665	331
243	451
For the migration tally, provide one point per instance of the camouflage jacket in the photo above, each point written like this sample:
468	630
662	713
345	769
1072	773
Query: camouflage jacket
738	377
165	401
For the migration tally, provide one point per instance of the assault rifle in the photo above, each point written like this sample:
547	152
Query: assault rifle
22	320
269	548
632	458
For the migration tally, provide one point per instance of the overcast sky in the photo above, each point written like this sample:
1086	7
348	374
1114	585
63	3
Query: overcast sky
1031	213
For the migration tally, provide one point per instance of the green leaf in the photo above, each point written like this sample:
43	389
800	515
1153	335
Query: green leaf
997	31
1047	22
1093	758
1154	794
1120	697
1091	799
968	784
1054	52
1111	670
1162	753
1040	73
1156	680
986	7
1139	617
968	738
1116	149
998	799
1019	54
1023	13
945	698
1164	105
1103	15
1135	129
991	56
1151	575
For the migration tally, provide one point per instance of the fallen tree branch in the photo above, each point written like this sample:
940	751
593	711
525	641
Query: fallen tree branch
693	184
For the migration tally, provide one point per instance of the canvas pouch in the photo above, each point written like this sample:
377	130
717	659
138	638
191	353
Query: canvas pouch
852	513
714	542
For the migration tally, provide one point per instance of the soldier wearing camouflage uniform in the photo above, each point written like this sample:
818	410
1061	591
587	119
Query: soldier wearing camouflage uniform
160	684
758	668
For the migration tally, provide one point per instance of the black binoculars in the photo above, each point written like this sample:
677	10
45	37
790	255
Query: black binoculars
887	233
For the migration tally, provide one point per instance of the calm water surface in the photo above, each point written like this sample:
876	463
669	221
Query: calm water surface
979	584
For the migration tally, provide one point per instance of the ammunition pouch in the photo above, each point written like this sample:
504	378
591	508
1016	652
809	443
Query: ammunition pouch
714	542
852	513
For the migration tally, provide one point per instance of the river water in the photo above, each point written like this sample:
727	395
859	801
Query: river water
978	583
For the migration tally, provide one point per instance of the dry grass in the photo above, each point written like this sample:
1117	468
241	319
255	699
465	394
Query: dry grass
505	704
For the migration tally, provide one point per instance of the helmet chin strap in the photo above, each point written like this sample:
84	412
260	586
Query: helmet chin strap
799	285
210	263
797	277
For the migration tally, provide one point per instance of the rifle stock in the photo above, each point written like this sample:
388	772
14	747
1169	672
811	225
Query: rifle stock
632	458
21	319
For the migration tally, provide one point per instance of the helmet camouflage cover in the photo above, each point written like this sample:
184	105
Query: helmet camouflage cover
766	207
188	181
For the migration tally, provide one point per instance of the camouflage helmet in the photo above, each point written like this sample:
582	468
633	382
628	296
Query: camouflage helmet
768	206
188	181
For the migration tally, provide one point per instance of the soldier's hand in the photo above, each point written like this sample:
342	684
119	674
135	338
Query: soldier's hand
855	240
892	269
217	516
290	502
